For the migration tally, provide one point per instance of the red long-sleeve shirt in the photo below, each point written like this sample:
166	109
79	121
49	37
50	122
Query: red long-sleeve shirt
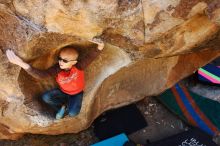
72	81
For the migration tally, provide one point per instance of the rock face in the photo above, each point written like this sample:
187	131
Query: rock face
149	46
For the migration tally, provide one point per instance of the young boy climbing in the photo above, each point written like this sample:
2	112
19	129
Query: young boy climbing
69	76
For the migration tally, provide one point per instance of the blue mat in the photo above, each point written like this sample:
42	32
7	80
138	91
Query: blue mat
118	140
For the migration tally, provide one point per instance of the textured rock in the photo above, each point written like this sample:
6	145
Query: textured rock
150	45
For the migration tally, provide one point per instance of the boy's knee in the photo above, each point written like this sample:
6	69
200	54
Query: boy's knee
46	98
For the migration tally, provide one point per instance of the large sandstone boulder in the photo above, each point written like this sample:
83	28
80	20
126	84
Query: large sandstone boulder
149	46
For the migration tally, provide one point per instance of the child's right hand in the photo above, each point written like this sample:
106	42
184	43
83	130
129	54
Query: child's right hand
16	60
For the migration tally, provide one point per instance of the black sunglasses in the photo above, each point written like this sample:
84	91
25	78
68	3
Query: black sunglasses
64	60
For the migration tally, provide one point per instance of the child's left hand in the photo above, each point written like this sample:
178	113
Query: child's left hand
99	42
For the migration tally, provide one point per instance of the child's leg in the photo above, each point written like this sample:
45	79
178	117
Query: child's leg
55	98
75	102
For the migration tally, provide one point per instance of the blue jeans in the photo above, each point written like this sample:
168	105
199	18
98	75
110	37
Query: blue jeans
56	98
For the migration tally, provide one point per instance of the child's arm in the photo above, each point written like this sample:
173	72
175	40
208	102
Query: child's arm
36	73
91	56
42	74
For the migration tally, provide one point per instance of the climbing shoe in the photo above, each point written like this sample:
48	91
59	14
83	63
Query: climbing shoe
60	113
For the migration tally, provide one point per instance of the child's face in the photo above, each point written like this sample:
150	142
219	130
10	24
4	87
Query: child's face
67	60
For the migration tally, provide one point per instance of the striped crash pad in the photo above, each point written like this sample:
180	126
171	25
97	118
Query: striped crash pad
209	73
196	110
